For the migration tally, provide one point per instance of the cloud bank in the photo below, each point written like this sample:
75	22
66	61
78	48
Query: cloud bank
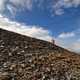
55	6
59	5
69	40
66	35
32	31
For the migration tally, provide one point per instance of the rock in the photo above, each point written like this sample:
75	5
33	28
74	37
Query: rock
12	66
26	58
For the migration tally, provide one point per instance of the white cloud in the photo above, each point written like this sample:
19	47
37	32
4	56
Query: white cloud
2	5
76	46
67	35
69	40
59	12
60	5
13	6
22	4
12	10
32	31
55	6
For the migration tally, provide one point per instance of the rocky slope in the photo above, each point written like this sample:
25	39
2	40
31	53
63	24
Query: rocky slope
26	58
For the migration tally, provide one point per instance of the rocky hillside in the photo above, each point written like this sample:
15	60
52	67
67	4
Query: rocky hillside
26	58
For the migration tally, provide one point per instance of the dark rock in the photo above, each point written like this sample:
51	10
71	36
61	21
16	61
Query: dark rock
26	58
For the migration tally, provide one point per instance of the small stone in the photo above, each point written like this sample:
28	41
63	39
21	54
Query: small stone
23	65
32	65
1	46
4	74
5	65
26	47
43	77
12	66
20	69
10	54
30	60
22	51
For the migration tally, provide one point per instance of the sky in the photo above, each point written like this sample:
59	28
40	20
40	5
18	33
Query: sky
44	19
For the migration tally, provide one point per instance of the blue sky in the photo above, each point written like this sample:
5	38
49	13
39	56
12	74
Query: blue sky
66	22
57	23
59	18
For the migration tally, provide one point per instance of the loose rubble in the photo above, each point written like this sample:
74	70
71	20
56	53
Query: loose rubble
26	58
